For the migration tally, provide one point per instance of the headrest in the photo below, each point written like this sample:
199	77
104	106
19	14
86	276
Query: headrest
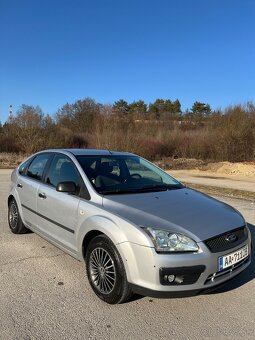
106	168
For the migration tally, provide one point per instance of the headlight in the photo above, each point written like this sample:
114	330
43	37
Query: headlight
166	241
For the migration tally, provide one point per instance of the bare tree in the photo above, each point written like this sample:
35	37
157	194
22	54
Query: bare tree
27	128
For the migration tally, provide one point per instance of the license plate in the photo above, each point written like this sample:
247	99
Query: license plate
233	258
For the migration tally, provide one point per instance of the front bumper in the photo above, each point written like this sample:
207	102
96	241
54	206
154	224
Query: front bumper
144	269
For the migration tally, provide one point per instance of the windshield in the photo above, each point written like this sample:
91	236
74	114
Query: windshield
122	174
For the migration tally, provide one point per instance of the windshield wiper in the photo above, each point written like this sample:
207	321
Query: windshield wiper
117	191
146	188
156	187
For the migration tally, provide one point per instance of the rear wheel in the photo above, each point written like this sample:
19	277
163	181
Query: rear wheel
15	223
106	272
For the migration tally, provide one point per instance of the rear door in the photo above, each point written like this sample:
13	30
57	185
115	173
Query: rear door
27	186
58	211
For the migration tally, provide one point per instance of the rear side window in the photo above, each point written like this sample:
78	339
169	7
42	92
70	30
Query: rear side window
36	168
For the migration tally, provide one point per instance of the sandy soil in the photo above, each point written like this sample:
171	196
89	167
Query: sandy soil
246	169
209	178
236	176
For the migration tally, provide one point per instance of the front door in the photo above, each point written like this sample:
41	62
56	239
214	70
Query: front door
58	211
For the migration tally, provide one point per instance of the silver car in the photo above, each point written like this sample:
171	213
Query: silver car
138	229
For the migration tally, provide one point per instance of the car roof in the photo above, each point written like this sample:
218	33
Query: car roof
91	152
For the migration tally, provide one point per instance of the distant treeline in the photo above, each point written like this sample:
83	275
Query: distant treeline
157	130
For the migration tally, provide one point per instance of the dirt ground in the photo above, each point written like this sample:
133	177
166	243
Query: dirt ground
244	169
229	185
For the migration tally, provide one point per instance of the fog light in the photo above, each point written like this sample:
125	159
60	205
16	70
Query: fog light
171	278
180	276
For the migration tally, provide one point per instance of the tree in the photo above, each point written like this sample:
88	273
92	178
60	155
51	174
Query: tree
65	115
200	110
106	110
165	109
121	107
237	137
138	109
168	106
7	139
176	107
26	127
29	116
171	110
78	116
85	112
157	108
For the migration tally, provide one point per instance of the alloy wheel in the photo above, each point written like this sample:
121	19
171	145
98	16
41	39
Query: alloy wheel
13	216
102	270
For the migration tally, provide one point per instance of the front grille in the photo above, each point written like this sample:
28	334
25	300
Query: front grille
220	242
218	276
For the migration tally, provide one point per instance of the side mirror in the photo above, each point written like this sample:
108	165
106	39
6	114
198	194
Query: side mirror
68	187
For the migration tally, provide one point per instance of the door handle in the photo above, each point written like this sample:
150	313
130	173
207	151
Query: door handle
19	185
42	195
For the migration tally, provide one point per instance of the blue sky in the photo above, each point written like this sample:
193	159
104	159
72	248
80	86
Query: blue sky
58	51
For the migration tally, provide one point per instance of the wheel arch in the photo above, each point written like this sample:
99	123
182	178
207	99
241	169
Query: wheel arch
10	197
87	238
96	225
120	232
13	195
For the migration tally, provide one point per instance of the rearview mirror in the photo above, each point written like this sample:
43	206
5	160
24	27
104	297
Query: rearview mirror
68	187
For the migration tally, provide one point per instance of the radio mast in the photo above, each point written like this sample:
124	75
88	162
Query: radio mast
10	116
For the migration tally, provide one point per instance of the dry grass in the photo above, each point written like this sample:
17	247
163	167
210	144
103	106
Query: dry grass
10	160
226	192
169	163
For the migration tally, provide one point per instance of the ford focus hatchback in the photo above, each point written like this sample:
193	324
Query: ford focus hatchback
137	228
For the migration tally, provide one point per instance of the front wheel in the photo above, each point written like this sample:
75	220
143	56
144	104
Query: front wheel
15	223
106	272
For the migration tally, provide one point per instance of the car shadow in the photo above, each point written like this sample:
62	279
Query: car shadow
247	275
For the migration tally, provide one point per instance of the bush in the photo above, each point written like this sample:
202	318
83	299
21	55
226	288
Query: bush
150	148
227	135
8	144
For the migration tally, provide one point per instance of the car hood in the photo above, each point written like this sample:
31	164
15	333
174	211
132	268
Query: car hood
183	210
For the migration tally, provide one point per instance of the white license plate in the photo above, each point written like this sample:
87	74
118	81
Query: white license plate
233	258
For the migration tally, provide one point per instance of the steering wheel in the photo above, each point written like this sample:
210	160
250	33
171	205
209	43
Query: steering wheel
136	175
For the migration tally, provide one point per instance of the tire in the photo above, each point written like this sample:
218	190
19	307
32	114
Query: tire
106	272
15	223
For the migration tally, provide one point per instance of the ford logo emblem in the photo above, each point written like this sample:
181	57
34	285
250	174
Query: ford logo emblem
231	238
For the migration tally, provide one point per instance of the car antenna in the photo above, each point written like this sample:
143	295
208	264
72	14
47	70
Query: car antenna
110	152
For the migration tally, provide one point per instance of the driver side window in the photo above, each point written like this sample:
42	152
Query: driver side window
62	169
